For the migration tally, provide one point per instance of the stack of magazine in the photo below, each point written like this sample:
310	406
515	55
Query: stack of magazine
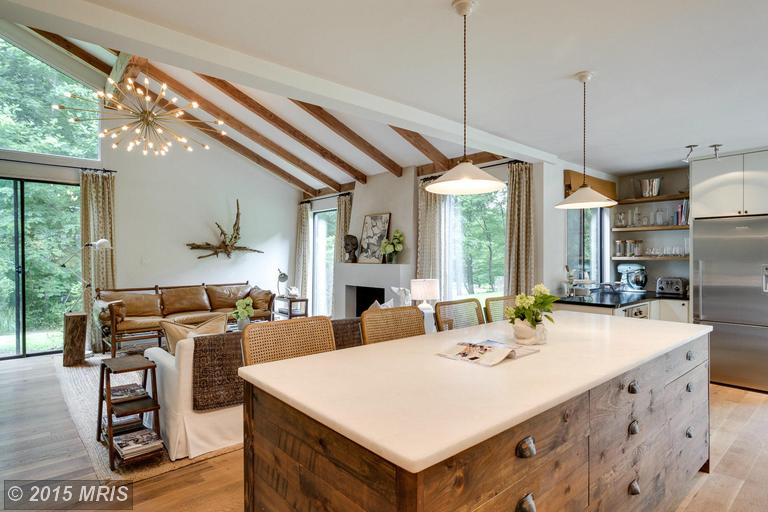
488	352
121	425
137	443
127	392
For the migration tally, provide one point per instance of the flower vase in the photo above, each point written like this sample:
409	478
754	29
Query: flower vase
527	335
242	323
391	258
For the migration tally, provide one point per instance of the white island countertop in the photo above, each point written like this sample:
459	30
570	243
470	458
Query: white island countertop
414	408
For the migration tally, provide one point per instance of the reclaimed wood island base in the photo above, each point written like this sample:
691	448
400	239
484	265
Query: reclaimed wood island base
631	442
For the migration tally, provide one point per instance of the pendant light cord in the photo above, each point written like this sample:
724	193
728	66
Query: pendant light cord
465	87
584	140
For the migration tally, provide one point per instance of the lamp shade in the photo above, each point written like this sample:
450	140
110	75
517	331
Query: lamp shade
585	197
465	179
425	289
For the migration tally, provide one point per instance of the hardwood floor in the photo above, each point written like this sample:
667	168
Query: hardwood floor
39	440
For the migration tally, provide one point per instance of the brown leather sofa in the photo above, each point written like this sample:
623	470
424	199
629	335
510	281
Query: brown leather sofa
129	314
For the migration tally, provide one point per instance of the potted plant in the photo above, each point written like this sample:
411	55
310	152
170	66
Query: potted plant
243	312
529	313
391	248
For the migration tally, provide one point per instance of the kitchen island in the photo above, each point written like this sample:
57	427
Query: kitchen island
611	414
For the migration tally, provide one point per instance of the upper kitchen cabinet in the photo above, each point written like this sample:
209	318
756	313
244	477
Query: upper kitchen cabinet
717	187
733	185
756	183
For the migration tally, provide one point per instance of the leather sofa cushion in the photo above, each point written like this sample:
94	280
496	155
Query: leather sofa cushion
139	324
192	317
226	296
191	298
136	304
260	298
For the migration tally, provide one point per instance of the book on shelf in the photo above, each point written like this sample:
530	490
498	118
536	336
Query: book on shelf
487	353
121	425
126	392
137	443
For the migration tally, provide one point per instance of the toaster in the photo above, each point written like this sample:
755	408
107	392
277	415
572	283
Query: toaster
676	286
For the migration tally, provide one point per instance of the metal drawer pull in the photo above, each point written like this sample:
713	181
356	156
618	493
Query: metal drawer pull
689	356
634	428
689	387
526	504
634	488
689	432
526	448
633	388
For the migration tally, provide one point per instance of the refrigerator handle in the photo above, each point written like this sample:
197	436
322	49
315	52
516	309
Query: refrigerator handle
699	314
765	278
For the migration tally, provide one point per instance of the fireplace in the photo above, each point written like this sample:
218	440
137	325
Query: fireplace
365	296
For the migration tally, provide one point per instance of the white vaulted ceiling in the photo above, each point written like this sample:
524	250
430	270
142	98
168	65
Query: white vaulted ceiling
668	73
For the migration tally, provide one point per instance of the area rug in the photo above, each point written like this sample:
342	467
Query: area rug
80	385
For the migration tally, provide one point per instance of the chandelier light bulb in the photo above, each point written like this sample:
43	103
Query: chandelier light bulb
195	104
67	94
114	146
110	80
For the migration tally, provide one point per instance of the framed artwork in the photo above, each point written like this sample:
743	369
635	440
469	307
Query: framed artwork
375	230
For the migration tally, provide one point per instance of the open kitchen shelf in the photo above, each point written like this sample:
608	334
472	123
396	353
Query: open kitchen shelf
654	199
650	228
649	258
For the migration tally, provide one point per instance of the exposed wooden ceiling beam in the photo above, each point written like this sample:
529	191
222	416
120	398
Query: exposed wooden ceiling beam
426	148
244	151
240	126
71	48
126	66
284	126
482	157
346	133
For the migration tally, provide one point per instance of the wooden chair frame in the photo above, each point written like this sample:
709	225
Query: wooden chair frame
444	323
386	324
508	300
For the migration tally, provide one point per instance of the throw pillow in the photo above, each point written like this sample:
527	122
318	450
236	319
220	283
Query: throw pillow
260	298
175	332
389	304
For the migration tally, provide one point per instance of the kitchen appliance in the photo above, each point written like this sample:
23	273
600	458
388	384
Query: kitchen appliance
672	286
639	311
730	293
633	276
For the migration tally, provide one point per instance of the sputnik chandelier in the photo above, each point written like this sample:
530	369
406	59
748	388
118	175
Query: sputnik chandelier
148	122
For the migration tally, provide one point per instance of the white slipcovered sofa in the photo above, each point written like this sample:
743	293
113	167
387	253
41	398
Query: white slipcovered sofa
186	432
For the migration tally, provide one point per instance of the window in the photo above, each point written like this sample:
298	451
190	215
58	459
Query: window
28	88
39	231
323	255
483	225
584	241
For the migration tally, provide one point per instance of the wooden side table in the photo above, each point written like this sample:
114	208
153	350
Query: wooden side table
291	307
138	406
75	326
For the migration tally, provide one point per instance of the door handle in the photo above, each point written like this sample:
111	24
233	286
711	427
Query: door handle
765	278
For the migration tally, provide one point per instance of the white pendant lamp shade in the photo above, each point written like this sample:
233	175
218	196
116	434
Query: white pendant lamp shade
465	179
585	197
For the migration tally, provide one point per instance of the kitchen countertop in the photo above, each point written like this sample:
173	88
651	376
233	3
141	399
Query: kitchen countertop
415	409
617	300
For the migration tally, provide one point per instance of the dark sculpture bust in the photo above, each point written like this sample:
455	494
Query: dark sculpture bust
350	249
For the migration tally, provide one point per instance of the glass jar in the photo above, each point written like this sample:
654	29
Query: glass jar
629	248
621	219
619	248
638	248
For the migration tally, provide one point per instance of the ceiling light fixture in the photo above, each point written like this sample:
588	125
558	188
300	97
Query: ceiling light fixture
465	178
716	150
585	197
690	148
146	123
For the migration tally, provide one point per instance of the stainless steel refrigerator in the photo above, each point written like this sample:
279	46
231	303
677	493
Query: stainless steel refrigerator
730	293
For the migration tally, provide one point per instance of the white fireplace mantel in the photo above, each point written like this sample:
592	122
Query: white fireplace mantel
347	275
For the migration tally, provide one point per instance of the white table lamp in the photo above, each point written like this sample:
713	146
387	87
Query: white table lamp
424	290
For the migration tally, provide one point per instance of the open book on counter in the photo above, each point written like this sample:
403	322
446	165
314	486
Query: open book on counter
488	352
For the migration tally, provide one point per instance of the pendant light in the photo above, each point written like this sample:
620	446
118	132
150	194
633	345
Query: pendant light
466	178
585	197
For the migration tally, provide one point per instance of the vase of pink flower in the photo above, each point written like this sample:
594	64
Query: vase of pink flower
529	313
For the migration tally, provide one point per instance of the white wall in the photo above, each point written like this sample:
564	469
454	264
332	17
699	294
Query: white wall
387	193
164	202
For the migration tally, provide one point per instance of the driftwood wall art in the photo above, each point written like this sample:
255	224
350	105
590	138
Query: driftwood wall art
227	243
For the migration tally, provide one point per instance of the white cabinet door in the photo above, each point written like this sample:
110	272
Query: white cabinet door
756	183
673	310
717	187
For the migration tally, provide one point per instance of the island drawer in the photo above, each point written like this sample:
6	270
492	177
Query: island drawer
690	450
475	476
558	485
684	359
687	395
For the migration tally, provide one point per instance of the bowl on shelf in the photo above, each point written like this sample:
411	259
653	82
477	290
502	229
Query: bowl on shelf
650	187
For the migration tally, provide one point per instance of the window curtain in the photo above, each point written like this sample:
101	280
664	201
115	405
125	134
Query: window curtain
97	207
439	246
519	258
343	214
303	241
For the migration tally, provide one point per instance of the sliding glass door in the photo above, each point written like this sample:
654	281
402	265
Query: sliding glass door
39	264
